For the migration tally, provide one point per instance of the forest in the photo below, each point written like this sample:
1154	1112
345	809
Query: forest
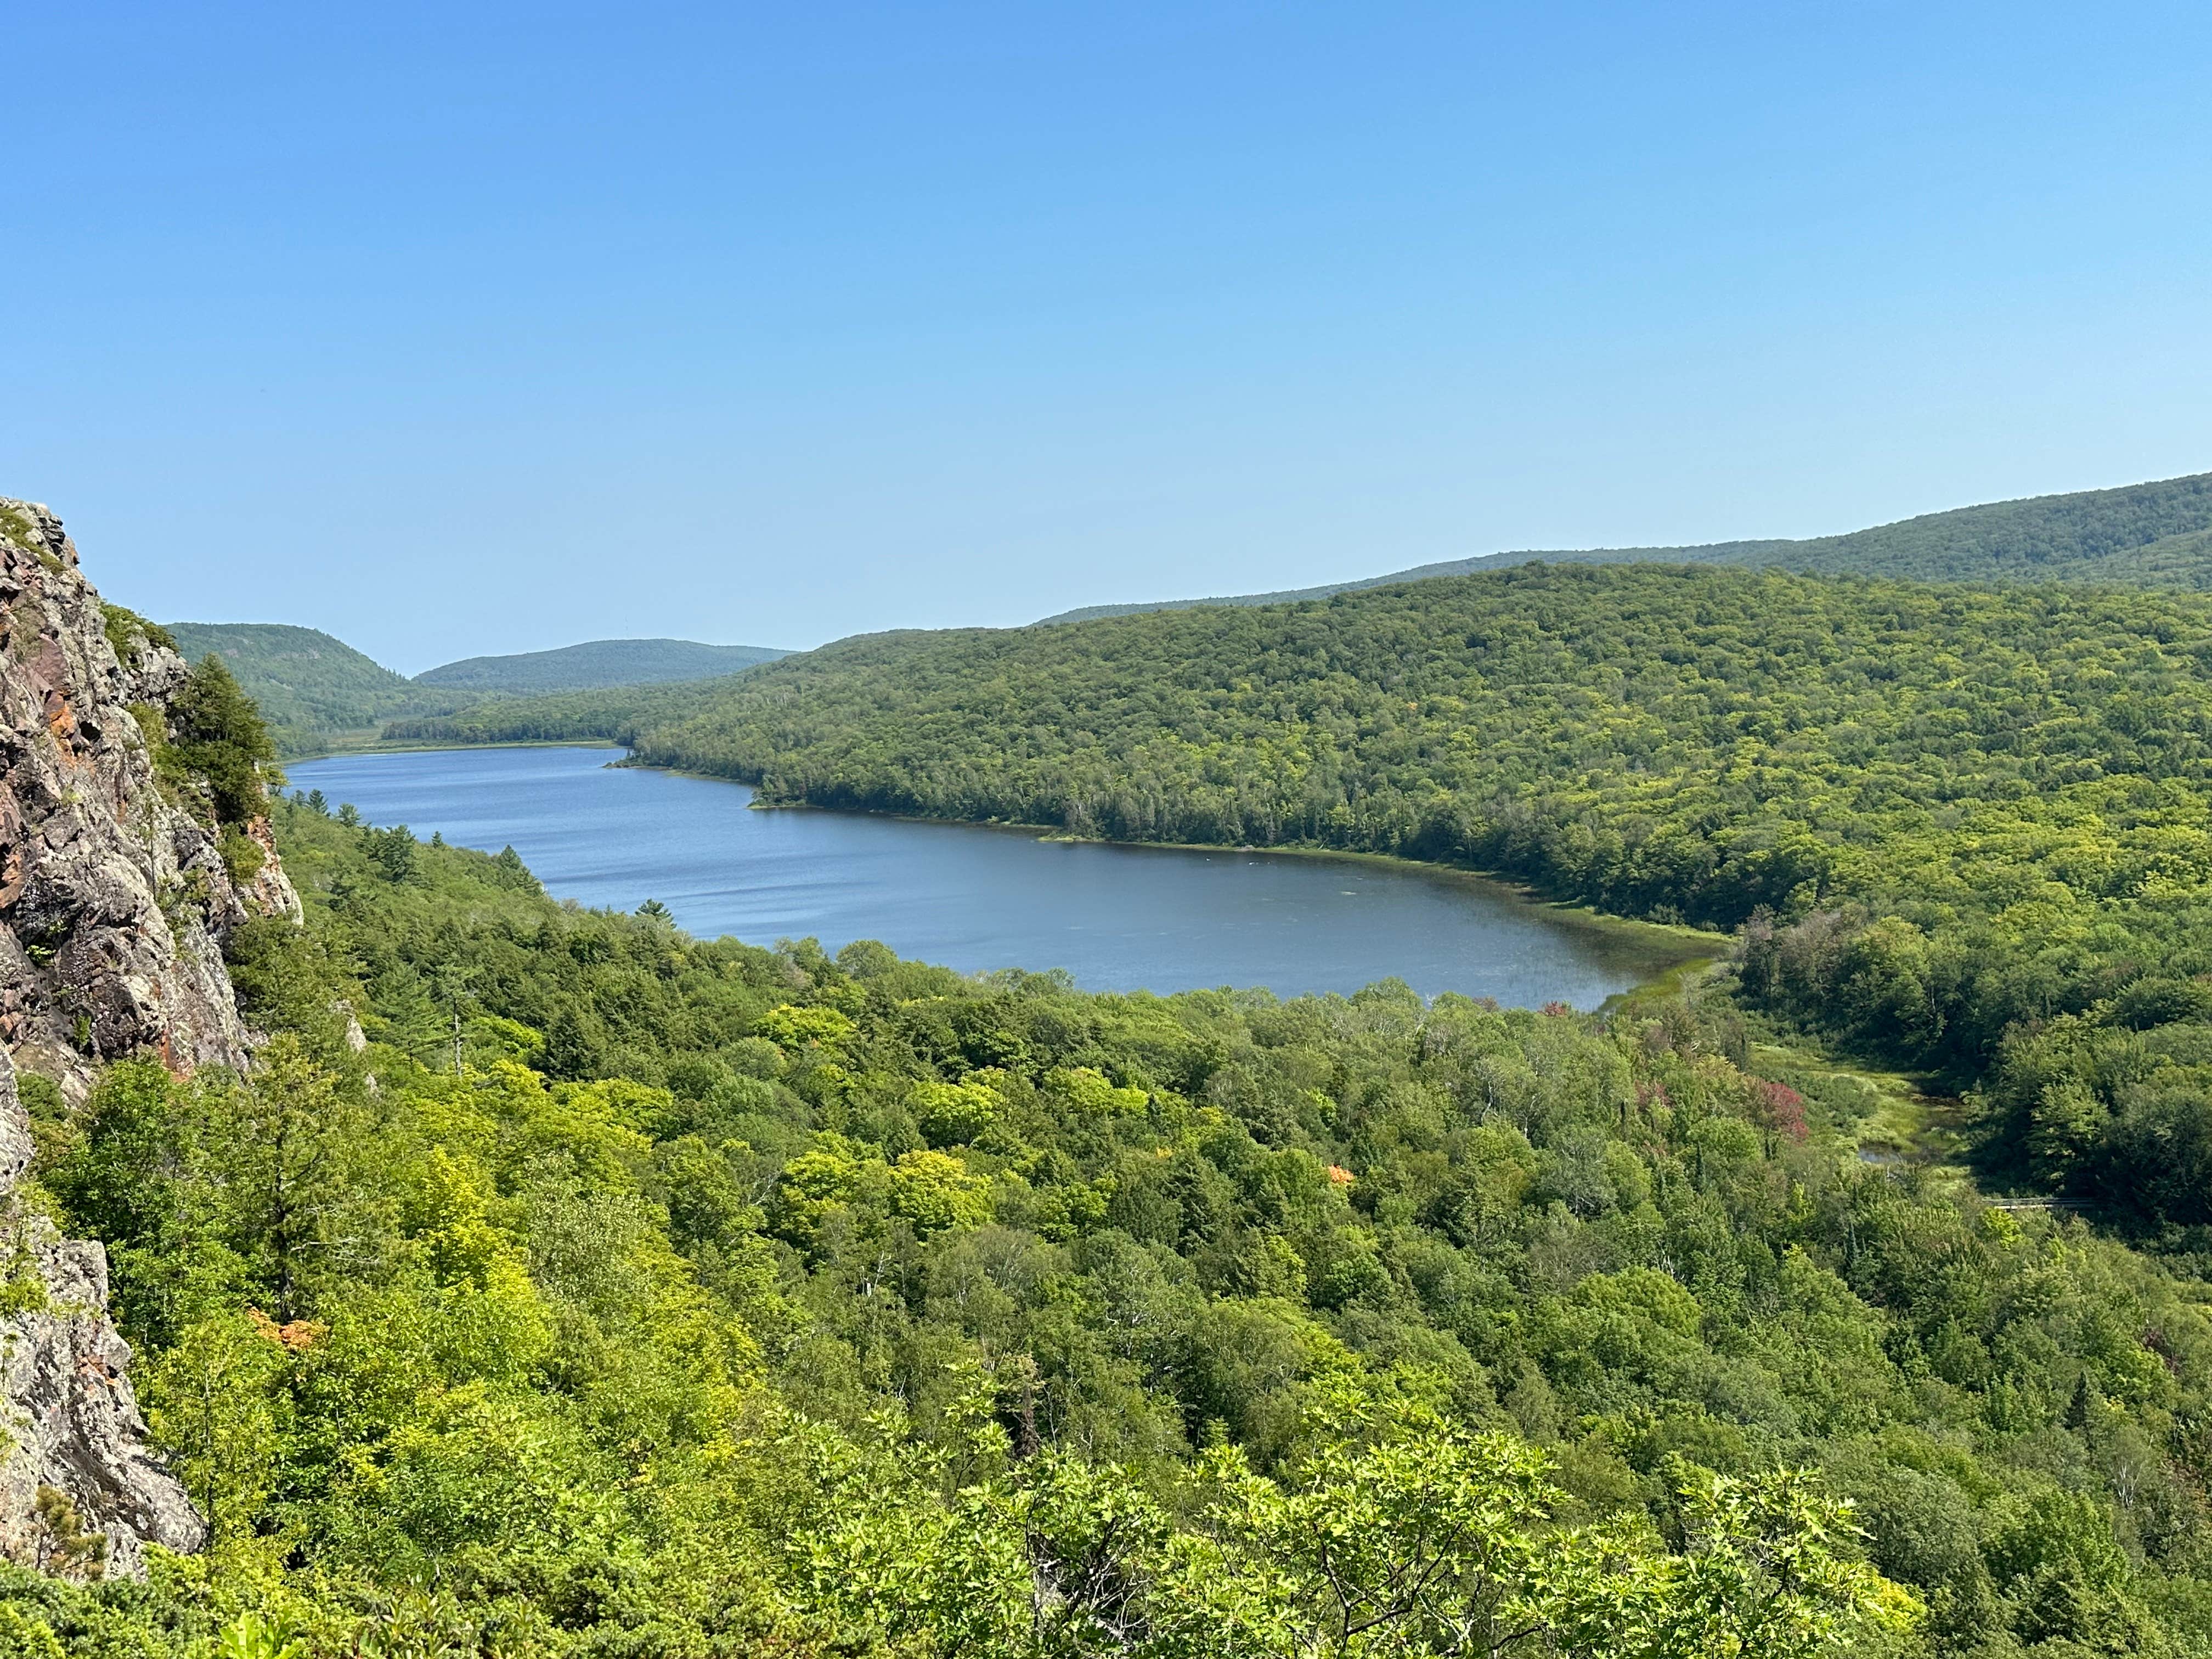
596	663
1961	829
316	694
2146	535
558	1284
2152	535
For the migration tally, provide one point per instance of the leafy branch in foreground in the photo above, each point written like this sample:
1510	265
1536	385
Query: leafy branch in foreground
1400	1534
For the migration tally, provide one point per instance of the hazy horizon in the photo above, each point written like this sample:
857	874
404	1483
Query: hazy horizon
544	650
471	334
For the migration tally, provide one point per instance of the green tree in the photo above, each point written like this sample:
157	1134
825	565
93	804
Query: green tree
220	738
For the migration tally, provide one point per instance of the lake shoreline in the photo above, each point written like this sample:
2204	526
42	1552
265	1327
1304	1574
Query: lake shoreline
1641	959
349	752
1671	946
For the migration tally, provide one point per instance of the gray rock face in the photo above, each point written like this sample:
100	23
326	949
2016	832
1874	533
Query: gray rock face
79	1492
115	902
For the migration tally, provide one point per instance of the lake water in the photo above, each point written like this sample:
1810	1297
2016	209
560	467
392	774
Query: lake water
1117	918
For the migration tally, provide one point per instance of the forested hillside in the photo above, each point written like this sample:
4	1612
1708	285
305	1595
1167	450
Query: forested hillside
608	1292
1963	826
567	716
595	663
2150	535
555	1283
318	693
313	690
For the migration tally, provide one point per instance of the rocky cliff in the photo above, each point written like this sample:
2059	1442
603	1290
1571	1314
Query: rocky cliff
116	888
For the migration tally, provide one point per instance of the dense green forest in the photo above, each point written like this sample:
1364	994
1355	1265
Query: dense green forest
314	691
1965	829
317	693
2149	535
570	716
558	1284
2145	532
561	1284
596	664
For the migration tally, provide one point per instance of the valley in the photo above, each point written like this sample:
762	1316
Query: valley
829	1280
1193	831
319	693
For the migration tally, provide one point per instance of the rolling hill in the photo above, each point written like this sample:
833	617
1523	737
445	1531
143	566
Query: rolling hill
2020	776
318	693
2145	535
315	691
596	664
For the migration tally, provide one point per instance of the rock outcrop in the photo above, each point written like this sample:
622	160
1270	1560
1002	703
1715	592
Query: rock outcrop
114	901
79	1492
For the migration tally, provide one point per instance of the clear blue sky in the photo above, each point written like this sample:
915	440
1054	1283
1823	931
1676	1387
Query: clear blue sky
465	328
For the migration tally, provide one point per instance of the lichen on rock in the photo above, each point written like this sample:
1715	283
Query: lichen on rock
120	881
114	897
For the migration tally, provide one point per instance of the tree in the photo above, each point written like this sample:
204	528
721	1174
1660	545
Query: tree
220	738
288	1152
1407	1533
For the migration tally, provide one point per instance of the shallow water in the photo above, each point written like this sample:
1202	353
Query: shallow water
1117	918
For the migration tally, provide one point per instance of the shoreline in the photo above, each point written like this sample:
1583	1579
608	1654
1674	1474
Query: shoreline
1666	957
435	748
1671	946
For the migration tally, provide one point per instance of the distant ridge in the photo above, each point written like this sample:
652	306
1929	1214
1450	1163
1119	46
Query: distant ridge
318	693
596	664
2144	534
314	691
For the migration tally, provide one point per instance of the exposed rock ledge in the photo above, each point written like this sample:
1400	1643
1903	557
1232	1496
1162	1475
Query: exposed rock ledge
73	1427
114	905
113	901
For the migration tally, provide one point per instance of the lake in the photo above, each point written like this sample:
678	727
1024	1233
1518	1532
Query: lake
977	898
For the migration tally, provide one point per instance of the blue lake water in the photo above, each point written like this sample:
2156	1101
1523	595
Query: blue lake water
1117	918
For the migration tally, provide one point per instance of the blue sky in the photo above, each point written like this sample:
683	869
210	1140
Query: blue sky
457	329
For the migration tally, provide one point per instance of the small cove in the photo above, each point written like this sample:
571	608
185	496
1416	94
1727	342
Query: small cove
1118	918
